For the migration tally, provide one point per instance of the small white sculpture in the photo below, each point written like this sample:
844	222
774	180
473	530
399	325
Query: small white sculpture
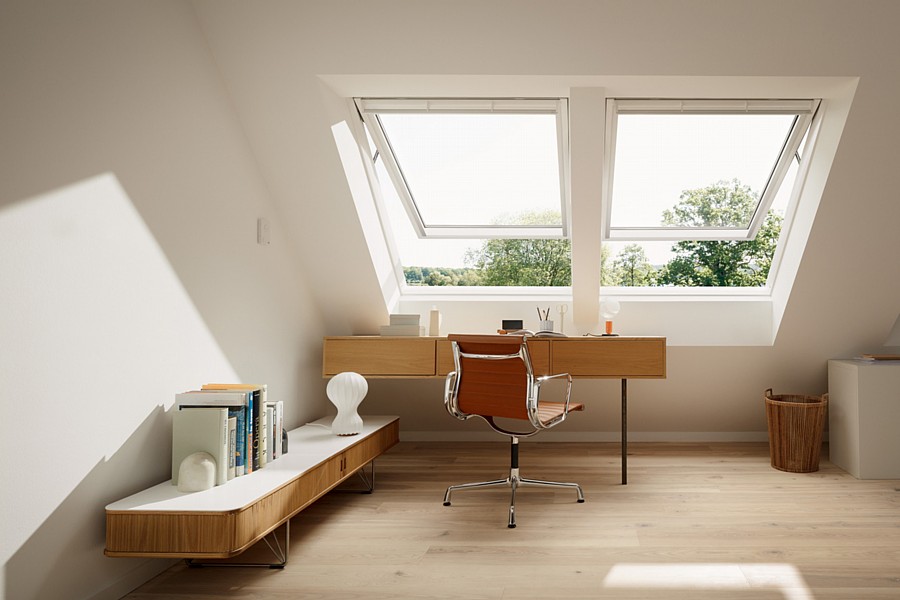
197	472
346	390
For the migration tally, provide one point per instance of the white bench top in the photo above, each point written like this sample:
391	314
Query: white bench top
308	446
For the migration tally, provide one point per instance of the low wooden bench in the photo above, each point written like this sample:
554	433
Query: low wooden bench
224	521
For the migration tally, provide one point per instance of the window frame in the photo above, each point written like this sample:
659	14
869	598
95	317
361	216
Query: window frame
803	110
804	144
369	109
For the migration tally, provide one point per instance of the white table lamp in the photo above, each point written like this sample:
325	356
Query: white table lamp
609	308
346	391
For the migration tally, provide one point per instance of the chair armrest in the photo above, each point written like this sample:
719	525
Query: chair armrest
537	399
450	401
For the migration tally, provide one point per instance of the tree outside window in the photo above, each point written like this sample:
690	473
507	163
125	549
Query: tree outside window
547	262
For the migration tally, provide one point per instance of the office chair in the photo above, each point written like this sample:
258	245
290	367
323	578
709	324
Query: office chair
494	379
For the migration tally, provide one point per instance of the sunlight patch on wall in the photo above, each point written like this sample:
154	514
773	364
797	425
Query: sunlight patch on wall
98	333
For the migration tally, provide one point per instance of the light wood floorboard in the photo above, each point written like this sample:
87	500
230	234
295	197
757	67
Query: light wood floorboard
698	521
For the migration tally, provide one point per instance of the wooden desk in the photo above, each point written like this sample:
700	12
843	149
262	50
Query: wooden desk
225	520
615	357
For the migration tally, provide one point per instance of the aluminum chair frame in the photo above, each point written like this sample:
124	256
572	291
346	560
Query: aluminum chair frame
532	404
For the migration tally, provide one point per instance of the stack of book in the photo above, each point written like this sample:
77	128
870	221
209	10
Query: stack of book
233	422
403	325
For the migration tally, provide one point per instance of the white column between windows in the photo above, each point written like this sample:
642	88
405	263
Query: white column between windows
587	128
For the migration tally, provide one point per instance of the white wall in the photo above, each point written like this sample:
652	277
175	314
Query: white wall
129	271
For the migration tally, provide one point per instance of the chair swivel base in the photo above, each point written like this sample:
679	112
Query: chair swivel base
514	481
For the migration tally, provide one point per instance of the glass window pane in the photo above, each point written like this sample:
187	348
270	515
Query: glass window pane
415	251
478	169
472	262
661	158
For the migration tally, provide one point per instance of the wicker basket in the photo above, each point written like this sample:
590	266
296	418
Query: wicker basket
795	424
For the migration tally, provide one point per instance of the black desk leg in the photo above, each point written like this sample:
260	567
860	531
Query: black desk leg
624	431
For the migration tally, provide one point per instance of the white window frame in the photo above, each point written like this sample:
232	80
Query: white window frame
370	108
803	110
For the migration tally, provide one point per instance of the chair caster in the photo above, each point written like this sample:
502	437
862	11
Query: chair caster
581	501
446	504
513	526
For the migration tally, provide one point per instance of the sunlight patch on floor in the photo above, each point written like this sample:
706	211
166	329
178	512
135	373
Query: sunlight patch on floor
783	577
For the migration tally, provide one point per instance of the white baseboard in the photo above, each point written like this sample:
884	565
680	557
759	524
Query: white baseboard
133	579
590	436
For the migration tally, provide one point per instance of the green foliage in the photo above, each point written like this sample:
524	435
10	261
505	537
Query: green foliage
723	204
441	276
503	262
541	262
631	267
507	262
607	273
720	263
523	262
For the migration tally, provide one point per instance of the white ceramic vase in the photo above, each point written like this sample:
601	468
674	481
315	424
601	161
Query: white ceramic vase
346	391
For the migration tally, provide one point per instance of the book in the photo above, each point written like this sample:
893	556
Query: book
232	441
257	445
530	333
240	441
200	429
241	403
270	432
278	428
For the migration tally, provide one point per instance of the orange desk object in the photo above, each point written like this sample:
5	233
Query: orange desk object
612	357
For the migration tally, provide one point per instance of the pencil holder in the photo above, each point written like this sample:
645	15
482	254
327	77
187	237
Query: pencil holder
546	326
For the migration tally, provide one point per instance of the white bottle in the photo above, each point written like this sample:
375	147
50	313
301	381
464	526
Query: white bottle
434	325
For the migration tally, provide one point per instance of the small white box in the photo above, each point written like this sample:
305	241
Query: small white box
405	319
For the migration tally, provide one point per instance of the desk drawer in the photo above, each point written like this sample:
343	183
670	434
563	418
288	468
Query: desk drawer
538	349
376	356
610	357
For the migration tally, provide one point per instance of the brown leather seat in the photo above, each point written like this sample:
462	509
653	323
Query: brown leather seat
493	379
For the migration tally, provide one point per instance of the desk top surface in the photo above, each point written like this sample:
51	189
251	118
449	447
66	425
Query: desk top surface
571	338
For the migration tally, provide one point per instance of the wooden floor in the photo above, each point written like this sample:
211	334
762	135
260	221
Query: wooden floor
698	521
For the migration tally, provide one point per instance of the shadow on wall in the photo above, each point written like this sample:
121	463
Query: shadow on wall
51	563
105	334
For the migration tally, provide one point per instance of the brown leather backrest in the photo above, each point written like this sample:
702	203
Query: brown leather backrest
492	388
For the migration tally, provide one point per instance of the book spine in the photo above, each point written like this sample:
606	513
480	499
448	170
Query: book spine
264	429
279	427
222	458
255	431
264	425
255	457
232	439
251	463
240	442
270	433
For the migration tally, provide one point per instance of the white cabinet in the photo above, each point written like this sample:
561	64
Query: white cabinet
864	417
